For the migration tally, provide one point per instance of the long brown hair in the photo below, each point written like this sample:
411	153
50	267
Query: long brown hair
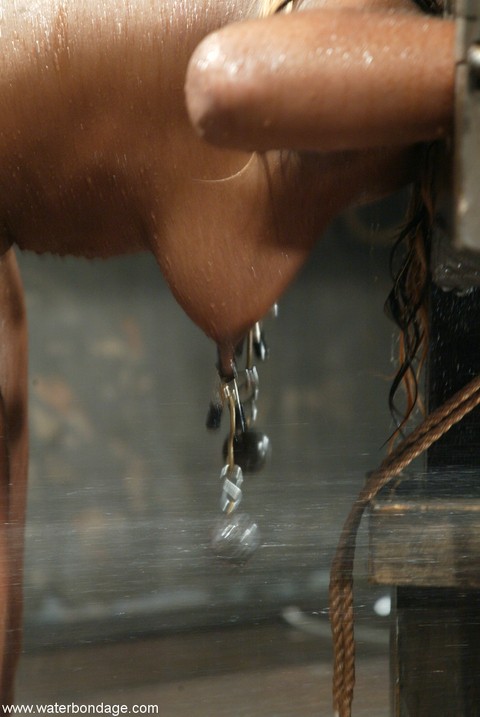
407	302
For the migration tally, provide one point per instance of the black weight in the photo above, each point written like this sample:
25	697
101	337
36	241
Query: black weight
250	450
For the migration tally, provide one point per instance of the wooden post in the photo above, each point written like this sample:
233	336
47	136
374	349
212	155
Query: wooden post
425	539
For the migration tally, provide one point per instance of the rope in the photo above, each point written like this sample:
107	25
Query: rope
341	577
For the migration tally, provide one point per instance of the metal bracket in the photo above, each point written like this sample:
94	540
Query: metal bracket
456	251
467	126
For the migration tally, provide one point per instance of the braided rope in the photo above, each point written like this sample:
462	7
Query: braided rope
341	577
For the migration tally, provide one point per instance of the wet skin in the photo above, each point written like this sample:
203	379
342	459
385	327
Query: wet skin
98	156
324	79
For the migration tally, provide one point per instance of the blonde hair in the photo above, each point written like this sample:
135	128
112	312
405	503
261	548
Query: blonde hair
270	7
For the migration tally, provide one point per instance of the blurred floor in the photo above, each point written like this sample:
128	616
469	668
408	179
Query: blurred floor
262	671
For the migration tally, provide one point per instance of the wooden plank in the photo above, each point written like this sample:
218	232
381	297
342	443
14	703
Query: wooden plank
425	541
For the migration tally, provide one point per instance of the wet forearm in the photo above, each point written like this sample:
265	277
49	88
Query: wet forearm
326	79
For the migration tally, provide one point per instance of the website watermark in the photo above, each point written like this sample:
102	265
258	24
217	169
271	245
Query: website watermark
77	709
